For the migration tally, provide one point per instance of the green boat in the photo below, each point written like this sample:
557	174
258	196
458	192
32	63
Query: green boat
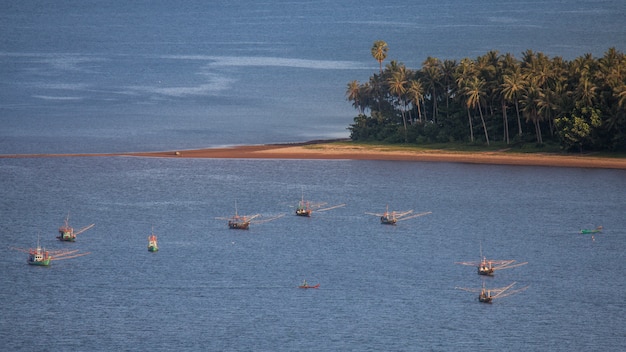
590	231
39	256
152	243
42	257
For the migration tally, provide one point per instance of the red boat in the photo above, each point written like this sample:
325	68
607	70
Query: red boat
305	285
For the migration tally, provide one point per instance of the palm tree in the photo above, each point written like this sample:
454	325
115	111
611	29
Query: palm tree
586	92
464	73
512	87
448	70
416	95
432	80
529	100
354	95
397	86
620	93
379	52
475	92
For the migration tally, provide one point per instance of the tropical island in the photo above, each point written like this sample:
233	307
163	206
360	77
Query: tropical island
494	109
577	105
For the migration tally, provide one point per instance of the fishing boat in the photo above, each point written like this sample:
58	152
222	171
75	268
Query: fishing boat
152	243
486	295
238	223
392	218
42	257
66	232
306	285
304	208
242	222
590	231
39	256
488	267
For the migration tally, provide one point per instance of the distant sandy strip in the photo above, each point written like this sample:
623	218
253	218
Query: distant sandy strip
333	151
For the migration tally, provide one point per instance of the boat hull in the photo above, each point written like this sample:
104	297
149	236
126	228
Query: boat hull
153	248
301	212
485	271
66	238
238	225
44	262
386	221
307	286
585	232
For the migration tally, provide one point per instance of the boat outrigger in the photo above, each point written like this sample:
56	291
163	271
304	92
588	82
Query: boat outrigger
242	222
305	208
391	218
486	295
489	266
42	257
152	243
66	232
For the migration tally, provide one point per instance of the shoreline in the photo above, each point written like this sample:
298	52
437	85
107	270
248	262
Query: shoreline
327	150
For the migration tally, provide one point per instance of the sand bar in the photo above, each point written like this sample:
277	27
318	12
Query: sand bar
347	151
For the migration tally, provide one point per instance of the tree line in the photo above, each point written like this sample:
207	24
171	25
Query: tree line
580	104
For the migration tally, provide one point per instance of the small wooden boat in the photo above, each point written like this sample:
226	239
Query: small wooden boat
306	285
242	222
238	223
486	295
152	243
489	266
66	232
304	208
392	218
388	219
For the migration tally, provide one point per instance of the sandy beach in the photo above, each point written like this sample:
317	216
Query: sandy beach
347	151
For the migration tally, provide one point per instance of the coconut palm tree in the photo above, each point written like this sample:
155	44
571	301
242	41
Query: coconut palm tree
415	93
353	94
620	93
530	108
379	52
397	87
431	69
464	73
586	92
448	69
475	92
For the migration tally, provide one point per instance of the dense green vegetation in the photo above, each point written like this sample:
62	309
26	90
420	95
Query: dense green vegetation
579	105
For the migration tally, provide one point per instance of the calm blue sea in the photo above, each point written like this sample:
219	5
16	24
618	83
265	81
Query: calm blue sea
91	76
382	288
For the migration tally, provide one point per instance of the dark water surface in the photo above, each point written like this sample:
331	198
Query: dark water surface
383	288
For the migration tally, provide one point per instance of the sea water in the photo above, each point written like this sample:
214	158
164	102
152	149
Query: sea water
382	288
89	76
